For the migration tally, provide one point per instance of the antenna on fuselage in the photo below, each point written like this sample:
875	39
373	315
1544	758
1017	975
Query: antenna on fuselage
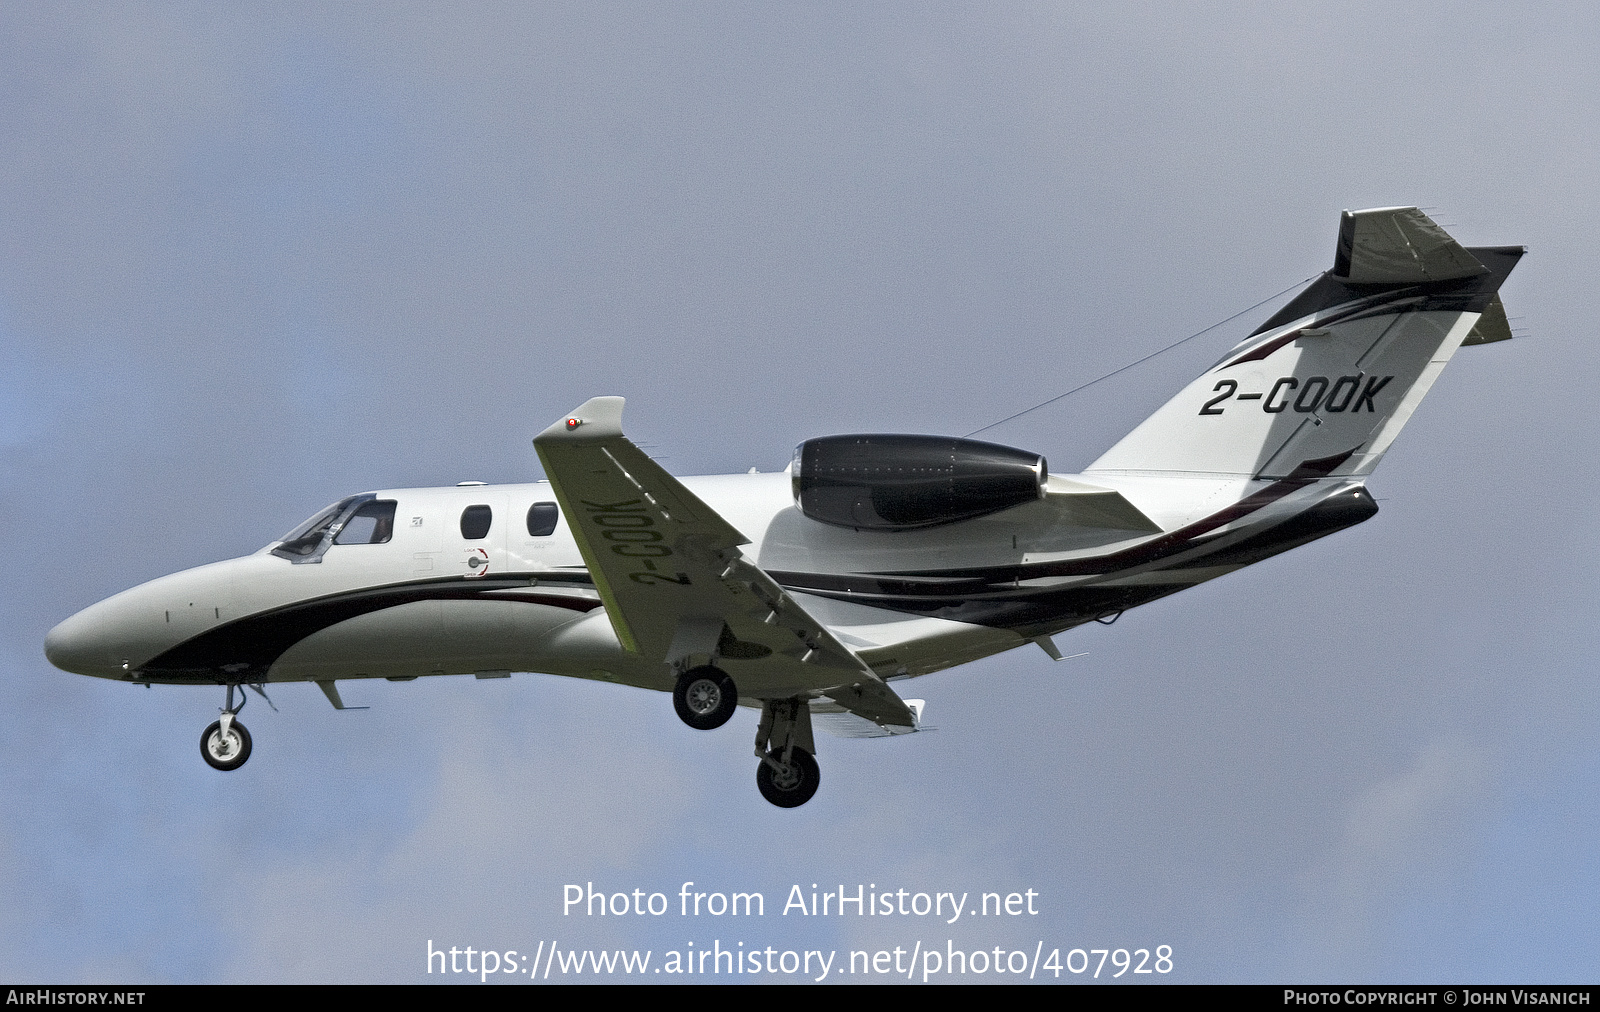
1130	365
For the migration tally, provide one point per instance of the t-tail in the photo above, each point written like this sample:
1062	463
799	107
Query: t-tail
1323	387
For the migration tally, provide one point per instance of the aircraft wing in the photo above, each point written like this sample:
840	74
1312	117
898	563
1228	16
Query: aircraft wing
674	582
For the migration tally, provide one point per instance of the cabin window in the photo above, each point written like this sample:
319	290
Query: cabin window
372	524
475	522
542	517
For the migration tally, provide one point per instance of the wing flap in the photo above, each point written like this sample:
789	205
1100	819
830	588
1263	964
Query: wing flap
842	723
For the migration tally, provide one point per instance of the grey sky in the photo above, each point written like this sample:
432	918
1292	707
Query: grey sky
253	262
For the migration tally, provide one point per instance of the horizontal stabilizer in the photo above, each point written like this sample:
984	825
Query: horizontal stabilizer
1088	505
1492	326
1398	245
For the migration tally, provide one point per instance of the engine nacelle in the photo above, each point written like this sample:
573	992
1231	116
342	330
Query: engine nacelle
903	483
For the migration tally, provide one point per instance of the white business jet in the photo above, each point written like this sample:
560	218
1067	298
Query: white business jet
871	559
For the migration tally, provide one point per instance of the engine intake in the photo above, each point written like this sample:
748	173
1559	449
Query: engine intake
902	483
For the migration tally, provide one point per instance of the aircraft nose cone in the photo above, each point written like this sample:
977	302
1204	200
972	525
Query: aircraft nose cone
76	646
118	636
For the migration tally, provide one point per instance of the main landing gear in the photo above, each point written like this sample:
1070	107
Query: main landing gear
705	697
225	745
791	782
787	775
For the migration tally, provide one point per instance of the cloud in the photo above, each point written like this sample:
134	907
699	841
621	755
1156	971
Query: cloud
1403	840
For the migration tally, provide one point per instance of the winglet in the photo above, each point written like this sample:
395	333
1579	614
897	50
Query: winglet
595	419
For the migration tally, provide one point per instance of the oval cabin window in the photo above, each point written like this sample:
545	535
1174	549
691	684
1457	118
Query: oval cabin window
475	522
542	517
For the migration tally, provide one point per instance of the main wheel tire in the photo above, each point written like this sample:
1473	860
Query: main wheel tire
794	784
705	697
225	753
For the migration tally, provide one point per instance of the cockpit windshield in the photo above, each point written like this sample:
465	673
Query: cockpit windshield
372	524
307	542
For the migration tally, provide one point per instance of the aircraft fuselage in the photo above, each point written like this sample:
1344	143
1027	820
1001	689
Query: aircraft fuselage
430	600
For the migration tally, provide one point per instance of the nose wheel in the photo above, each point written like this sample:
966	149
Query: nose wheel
225	745
225	748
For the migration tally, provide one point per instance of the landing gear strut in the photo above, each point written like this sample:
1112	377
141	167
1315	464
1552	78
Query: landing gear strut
787	776
225	745
705	697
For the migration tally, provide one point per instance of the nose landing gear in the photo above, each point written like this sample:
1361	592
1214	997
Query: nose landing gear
225	745
225	748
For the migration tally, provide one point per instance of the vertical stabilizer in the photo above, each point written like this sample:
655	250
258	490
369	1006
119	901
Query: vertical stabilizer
1336	373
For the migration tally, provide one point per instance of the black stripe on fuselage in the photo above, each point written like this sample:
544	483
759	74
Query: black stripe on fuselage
1031	611
994	596
996	577
244	649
